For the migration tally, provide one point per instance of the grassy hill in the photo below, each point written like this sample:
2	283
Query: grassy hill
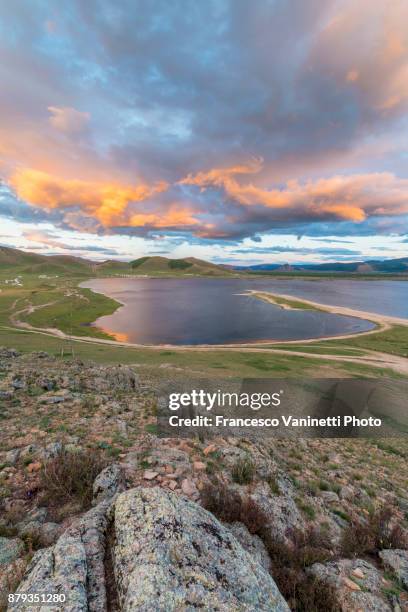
16	262
187	266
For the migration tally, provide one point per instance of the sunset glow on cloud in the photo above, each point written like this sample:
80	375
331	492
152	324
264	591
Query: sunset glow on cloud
202	126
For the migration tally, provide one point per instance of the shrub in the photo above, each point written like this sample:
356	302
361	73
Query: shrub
243	471
302	591
306	508
70	476
379	531
179	264
138	262
228	506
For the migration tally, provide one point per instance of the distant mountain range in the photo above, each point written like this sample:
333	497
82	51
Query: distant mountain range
33	263
390	266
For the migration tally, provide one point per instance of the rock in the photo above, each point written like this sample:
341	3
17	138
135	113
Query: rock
329	496
350	584
172	555
49	533
175	457
349	594
10	550
251	543
52	450
8	353
107	483
12	456
28	451
111	378
74	566
396	561
150	475
47	384
34	467
346	492
55	399
17	384
358	573
283	515
45	533
209	449
5	395
188	487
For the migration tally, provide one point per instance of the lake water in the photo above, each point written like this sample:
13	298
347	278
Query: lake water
213	311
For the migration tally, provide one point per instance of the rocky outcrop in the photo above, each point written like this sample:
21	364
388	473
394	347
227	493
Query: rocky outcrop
358	584
396	561
10	549
74	566
251	543
167	554
107	483
171	552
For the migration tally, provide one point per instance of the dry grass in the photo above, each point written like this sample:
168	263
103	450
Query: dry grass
381	530
303	592
69	477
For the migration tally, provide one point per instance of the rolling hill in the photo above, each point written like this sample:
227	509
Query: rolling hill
20	262
186	266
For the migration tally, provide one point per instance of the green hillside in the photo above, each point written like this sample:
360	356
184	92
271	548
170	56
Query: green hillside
189	266
16	262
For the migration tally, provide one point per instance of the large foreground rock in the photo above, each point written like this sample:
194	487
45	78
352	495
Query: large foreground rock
150	550
74	566
173	555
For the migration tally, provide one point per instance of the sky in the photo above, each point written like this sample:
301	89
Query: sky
231	130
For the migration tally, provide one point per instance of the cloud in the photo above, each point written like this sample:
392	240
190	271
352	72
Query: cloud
111	204
351	198
48	239
67	119
179	97
216	204
300	250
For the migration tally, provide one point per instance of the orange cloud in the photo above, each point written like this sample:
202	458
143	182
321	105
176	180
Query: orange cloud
352	197
107	202
175	216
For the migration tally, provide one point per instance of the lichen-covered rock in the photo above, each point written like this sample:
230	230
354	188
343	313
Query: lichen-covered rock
107	483
396	561
283	515
112	378
61	569
172	555
251	543
74	566
10	549
358	584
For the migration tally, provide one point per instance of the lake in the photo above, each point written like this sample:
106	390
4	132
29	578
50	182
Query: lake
214	311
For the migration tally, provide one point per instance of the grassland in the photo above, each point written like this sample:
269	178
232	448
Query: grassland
45	299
